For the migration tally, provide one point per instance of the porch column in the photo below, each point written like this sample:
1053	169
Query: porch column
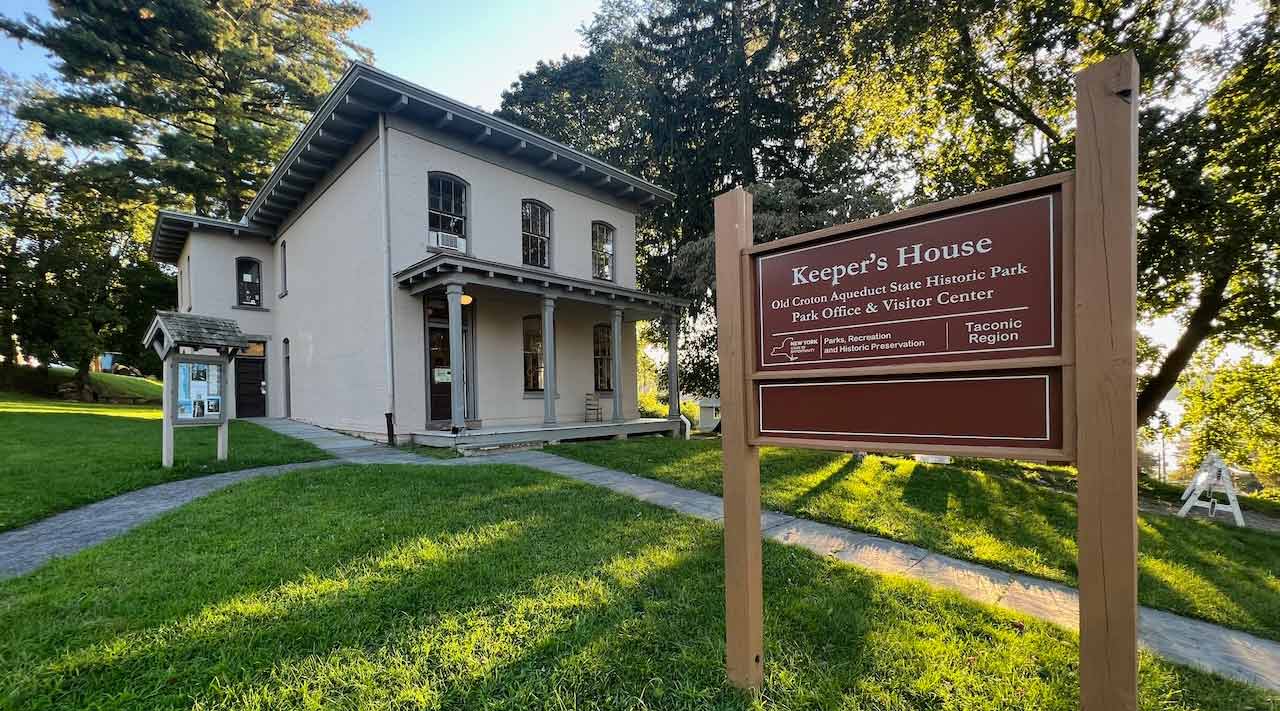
615	375
457	383
673	367
549	360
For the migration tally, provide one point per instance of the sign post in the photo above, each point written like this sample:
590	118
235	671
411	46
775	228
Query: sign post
743	573
997	324
1106	317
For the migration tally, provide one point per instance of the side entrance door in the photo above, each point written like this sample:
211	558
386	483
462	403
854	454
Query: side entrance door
251	387
440	385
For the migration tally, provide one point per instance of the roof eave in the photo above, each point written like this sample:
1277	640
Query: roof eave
339	104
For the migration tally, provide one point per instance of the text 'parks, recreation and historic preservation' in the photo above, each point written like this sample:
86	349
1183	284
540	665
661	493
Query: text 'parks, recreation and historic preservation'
978	284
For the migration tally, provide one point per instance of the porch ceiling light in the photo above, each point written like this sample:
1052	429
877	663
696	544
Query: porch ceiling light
466	299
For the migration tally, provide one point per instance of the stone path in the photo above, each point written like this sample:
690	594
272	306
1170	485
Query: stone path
22	550
351	450
1230	653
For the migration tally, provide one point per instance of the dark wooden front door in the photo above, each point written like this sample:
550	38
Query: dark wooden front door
441	375
251	383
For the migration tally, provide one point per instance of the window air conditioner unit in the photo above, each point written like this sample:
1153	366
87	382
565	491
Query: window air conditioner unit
446	240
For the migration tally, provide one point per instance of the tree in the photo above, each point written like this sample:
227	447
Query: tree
1234	409
78	256
197	98
974	95
30	167
1212	177
72	239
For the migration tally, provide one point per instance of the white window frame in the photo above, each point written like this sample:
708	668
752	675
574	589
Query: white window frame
604	256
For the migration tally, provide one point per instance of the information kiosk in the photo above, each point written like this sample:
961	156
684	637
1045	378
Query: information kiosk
197	352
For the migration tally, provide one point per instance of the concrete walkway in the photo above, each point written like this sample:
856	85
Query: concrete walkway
1229	653
351	450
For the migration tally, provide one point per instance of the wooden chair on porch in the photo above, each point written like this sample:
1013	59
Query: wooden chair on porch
593	411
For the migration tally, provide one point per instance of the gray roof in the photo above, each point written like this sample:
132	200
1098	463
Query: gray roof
172	229
350	110
364	91
195	331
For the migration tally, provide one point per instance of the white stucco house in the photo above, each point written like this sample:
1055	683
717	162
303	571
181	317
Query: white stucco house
418	266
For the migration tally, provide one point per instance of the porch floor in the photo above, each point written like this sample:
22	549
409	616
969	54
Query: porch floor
542	433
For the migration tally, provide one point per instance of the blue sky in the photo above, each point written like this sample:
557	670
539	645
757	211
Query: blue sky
469	51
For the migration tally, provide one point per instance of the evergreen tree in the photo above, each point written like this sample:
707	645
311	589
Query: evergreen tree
197	98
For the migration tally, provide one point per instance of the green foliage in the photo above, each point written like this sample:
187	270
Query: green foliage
504	588
1234	408
1270	493
183	103
995	513
650	405
816	105
199	98
72	238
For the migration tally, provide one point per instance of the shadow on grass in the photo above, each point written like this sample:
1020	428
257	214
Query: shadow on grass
503	588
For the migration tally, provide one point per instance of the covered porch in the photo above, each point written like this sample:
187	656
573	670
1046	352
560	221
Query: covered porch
517	354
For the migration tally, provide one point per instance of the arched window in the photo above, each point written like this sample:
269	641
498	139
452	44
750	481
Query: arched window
248	282
535	233
447	211
602	250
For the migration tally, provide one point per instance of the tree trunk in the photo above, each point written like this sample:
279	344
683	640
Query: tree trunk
84	390
1199	327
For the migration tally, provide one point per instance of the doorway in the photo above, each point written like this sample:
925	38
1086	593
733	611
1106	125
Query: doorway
251	387
288	382
440	372
440	387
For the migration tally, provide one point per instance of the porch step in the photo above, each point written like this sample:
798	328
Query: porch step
486	450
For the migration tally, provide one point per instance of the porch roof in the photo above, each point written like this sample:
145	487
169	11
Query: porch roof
446	268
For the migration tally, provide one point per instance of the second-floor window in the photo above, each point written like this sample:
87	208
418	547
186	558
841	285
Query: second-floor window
601	250
535	233
248	282
446	209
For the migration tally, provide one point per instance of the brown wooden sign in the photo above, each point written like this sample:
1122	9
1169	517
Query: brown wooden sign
969	291
980	282
997	324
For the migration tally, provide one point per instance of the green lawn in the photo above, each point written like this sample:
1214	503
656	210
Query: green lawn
57	455
501	588
1191	567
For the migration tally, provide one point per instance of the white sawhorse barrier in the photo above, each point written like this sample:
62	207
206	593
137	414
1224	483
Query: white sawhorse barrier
1214	476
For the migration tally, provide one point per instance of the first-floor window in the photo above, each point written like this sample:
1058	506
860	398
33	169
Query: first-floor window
602	347
533	354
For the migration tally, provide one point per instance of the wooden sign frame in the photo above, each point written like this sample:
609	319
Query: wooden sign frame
1095	362
1061	182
